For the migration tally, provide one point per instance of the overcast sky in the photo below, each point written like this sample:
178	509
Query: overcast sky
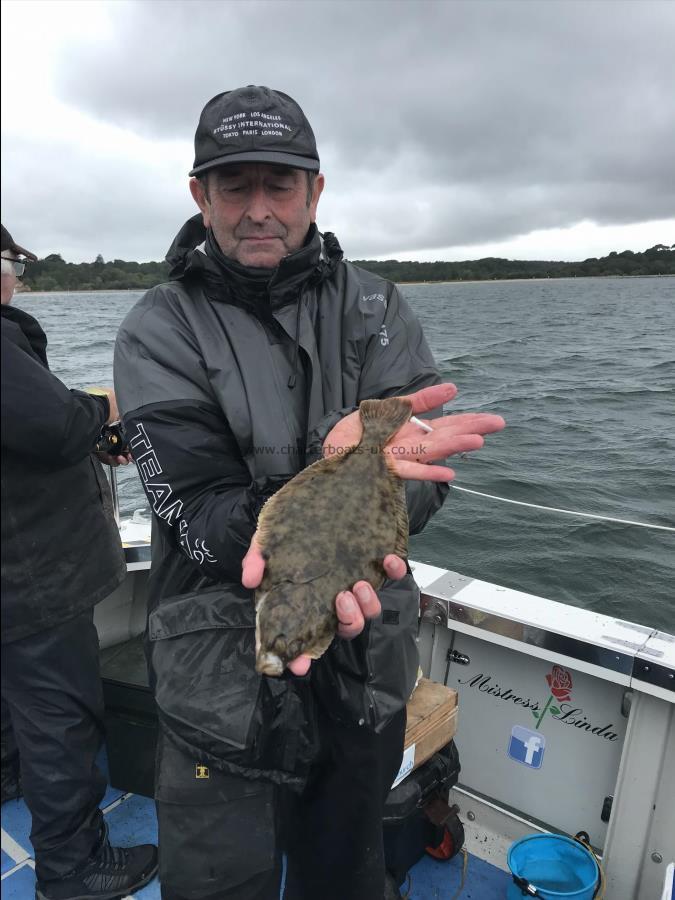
446	130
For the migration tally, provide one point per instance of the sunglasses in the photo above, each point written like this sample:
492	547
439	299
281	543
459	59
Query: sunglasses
18	266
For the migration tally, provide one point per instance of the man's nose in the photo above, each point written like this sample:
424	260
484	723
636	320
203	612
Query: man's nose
258	206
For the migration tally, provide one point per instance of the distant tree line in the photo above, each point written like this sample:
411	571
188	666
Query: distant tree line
54	274
658	260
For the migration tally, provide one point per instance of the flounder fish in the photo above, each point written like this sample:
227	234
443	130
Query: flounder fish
327	528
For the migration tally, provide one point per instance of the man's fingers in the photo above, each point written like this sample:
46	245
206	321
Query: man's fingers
252	566
354	607
350	617
469	423
367	599
109	459
438	445
300	666
394	567
432	397
409	470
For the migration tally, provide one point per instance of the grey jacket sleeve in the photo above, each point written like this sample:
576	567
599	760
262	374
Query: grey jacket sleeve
197	484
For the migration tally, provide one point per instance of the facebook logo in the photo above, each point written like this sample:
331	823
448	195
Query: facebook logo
527	747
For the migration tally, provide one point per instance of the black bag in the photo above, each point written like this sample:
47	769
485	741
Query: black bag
409	827
210	697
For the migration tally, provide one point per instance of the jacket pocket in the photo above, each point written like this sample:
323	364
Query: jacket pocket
210	697
367	680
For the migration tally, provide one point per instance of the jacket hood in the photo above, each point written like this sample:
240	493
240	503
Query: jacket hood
190	236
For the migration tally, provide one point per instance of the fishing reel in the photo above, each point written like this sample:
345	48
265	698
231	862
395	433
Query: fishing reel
112	440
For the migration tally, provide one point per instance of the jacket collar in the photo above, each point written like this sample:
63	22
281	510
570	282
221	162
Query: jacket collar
195	255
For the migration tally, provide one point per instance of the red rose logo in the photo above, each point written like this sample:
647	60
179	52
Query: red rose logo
560	683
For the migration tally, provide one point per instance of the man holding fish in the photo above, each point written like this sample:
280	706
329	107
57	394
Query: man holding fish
233	379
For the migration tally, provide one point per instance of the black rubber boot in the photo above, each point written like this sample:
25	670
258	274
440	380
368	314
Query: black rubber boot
110	873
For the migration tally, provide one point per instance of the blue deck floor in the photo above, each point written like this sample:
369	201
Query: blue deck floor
131	820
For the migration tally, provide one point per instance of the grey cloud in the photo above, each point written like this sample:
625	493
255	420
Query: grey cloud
89	207
439	124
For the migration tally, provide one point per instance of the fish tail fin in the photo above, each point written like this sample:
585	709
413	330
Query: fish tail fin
381	419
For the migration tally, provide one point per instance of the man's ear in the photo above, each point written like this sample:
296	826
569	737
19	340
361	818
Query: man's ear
316	193
200	198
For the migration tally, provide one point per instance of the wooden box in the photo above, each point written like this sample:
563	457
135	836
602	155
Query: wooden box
432	721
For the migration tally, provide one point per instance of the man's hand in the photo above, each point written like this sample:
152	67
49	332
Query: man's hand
110	459
412	450
122	459
114	414
113	411
352	607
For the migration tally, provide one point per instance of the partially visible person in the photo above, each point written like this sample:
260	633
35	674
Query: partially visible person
10	781
61	554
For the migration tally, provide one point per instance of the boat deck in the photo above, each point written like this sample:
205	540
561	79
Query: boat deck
131	820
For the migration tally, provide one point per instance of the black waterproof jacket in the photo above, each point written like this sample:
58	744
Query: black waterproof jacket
228	381
61	550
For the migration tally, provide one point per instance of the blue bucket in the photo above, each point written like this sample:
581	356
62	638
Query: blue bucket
555	865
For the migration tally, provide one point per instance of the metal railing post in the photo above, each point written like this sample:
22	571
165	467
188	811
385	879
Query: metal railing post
112	478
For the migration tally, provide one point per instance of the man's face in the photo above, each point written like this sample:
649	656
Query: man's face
259	213
8	276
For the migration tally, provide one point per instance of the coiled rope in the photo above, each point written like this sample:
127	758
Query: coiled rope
567	512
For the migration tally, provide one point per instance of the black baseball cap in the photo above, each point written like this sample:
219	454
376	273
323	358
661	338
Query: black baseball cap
254	124
8	243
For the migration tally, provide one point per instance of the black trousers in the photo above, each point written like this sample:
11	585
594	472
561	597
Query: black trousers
9	754
51	686
221	838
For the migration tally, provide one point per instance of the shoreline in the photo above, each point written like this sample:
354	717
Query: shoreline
455	281
537	278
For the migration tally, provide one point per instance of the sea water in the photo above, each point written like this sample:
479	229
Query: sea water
583	371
